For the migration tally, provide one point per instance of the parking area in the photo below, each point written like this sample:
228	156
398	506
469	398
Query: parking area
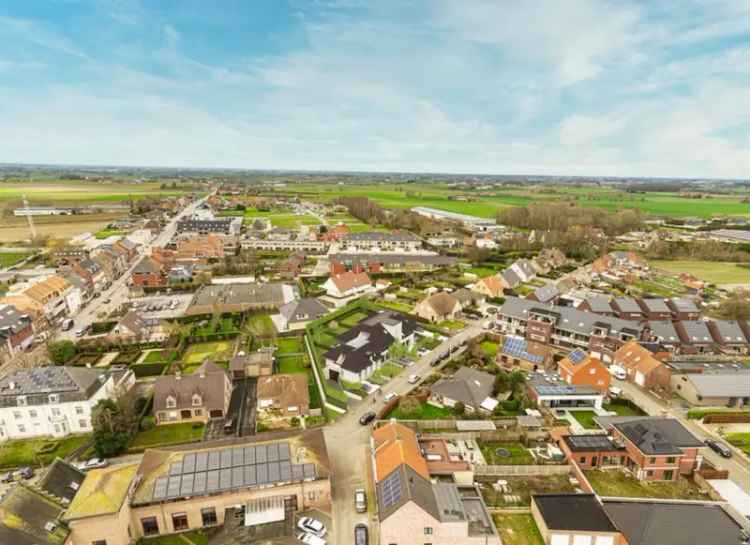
234	532
162	306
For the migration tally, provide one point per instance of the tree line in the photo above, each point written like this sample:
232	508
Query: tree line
560	217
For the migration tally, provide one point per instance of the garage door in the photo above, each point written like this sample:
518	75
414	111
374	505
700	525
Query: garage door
559	539
640	378
582	540
605	540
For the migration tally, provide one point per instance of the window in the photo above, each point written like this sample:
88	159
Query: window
198	412
32	413
83	423
150	526
671	459
21	428
311	496
54	398
209	516
99	542
583	459
55	411
649	473
652	460
171	402
21	401
427	531
197	400
79	409
179	521
17	415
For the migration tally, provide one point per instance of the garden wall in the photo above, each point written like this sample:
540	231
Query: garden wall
521	471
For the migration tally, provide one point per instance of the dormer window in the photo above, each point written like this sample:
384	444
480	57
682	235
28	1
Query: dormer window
21	401
171	402
197	400
54	398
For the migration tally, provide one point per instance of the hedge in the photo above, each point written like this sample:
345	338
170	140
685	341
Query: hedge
149	369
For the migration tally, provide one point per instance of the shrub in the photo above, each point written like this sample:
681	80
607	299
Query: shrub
147	423
511	405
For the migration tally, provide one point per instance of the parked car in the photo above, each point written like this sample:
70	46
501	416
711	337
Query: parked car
360	534
25	473
80	332
389	396
360	500
719	448
93	463
312	526
67	324
413	379
6	477
367	418
107	301
618	372
310	539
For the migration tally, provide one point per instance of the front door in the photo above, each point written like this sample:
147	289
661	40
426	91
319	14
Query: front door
186	414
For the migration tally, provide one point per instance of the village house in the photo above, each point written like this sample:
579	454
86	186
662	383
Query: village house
296	314
438	307
710	384
283	395
655	309
16	331
347	285
44	299
593	451
93	273
134	327
255	364
642	366
470	387
554	393
491	286
549	293
627	308
582	369
683	308
731	337
573	519
518	353
148	272
197	397
399	242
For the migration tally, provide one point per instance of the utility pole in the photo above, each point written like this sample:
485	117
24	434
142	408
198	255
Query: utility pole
32	229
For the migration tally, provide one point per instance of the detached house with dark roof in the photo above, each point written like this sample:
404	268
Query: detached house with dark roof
16	330
364	348
297	314
197	397
467	386
148	272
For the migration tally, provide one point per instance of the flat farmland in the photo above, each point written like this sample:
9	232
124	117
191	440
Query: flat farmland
284	220
716	272
488	203
14	229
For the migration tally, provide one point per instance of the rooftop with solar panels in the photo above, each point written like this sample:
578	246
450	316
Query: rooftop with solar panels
546	384
172	475
517	347
591	443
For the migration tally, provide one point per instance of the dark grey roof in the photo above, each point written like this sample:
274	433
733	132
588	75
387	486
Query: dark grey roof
510	277
729	331
590	443
655	435
546	293
655	305
731	384
466	296
401	486
664	330
12	320
599	303
303	310
628	304
697	331
394	259
683	304
646	522
467	385
552	386
573	513
147	266
70	383
400	236
62	480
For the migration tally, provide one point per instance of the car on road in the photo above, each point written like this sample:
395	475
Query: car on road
491	310
7	477
80	332
93	463
413	379
360	500
312	526
360	534
367	418
387	397
618	372
68	324
719	448
310	539
25	473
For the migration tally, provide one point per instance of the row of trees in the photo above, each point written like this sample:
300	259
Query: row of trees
704	250
560	217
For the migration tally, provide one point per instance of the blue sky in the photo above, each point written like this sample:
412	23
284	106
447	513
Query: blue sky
547	87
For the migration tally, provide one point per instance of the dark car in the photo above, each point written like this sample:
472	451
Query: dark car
719	448
26	473
360	534
367	418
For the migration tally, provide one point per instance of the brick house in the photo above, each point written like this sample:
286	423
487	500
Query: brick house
438	307
592	451
16	330
148	272
582	369
643	367
197	397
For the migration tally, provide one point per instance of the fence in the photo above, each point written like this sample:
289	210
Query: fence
521	471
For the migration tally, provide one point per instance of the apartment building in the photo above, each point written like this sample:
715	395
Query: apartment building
398	242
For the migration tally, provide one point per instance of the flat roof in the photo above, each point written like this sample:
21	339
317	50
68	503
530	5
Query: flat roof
573	513
102	492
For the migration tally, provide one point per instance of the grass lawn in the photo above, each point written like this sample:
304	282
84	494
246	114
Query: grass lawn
452	325
618	483
521	489
353	319
518	453
517	529
716	272
168	434
260	325
385	373
281	219
424	412
22	452
157	356
195	537
586	419
217	350
292	364
11	258
741	440
490	348
289	345
395	305
106	233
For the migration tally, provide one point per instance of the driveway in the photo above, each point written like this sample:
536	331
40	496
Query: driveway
739	467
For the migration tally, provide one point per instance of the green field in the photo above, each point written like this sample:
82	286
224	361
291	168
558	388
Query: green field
168	434
8	259
106	233
716	272
517	529
217	351
285	220
70	192
26	452
518	453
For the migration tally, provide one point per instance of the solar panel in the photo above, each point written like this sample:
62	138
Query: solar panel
188	463
297	472
226	458
160	488
173	486
238	477
260	454
261	473
225	478
175	468
199	486
309	471
272	452
577	356
214	459
284	451
249	455
212	480
273	472
391	489
250	478
285	469
201	461
186	488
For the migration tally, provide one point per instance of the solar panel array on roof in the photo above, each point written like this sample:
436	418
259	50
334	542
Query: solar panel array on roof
589	441
205	472
391	489
516	347
577	356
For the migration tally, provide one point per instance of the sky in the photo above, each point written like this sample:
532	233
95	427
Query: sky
574	87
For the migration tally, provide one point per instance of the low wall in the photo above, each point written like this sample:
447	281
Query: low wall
582	480
521	471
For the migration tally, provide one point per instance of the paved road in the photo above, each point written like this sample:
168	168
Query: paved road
739	467
118	291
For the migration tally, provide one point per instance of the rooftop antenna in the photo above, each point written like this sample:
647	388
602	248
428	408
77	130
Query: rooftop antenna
32	229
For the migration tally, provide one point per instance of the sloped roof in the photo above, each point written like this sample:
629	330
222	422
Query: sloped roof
467	385
209	381
103	492
396	444
632	355
23	516
494	284
301	310
350	280
285	389
442	303
62	480
655	435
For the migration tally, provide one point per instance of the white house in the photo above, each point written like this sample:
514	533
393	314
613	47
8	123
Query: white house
54	401
400	242
347	284
364	348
